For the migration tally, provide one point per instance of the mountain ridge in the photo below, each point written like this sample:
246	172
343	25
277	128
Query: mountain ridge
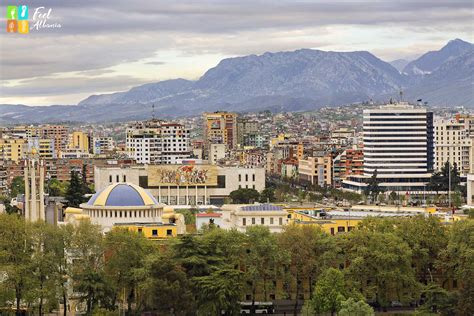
299	80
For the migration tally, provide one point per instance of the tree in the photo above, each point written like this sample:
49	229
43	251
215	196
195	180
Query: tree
162	274
306	251
261	260
379	266
267	195
457	259
16	255
88	270
351	307
373	189
329	292
220	291
57	188
17	186
244	196
393	197
75	191
125	256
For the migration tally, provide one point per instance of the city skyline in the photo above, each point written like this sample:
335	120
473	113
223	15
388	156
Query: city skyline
102	48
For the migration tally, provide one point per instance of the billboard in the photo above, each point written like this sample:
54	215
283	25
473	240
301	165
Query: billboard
215	124
182	175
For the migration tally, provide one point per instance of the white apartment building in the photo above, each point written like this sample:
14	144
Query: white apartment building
453	144
101	145
158	142
398	143
217	152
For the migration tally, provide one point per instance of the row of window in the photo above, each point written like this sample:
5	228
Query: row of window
247	177
271	221
123	214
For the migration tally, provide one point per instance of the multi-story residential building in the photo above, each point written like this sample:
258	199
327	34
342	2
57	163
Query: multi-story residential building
316	170
102	145
216	152
13	149
44	146
221	128
454	145
158	142
56	132
349	162
246	130
80	140
399	146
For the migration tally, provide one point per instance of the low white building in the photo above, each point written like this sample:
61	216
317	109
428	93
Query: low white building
203	219
185	184
242	216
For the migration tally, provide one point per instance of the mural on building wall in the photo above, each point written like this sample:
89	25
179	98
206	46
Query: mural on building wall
182	175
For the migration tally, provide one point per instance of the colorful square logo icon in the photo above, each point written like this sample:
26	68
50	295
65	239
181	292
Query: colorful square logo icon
23	27
12	26
12	12
23	12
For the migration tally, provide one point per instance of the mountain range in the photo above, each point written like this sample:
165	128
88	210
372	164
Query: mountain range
300	80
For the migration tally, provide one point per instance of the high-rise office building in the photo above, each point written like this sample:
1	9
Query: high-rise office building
399	146
158	142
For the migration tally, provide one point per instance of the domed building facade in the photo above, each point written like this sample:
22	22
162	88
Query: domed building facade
122	203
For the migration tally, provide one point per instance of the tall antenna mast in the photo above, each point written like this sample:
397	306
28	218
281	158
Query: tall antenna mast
153	112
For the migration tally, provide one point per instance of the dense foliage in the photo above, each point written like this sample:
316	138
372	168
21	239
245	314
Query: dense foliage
417	261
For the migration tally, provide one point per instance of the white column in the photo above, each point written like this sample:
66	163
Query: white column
41	210
34	214
27	190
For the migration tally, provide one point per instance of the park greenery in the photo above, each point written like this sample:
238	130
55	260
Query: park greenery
417	262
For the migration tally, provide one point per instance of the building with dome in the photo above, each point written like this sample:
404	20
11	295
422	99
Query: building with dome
130	206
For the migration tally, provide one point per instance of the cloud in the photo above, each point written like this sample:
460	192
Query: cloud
100	36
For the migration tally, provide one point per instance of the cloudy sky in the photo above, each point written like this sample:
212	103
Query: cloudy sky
107	46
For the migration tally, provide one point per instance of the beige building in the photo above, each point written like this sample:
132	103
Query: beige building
240	217
190	184
216	152
453	144
221	128
316	170
13	149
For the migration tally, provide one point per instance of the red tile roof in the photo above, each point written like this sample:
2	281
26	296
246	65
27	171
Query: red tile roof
209	215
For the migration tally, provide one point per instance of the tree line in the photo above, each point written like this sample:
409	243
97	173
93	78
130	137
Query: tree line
411	261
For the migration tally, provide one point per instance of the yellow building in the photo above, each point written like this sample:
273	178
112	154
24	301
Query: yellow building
13	149
313	216
79	140
151	230
221	128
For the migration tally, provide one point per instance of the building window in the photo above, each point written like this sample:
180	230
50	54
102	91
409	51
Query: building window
262	221
271	220
240	177
341	229
253	177
118	178
169	232
140	230
244	221
110	178
154	232
280	221
253	220
246	177
332	230
124	178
